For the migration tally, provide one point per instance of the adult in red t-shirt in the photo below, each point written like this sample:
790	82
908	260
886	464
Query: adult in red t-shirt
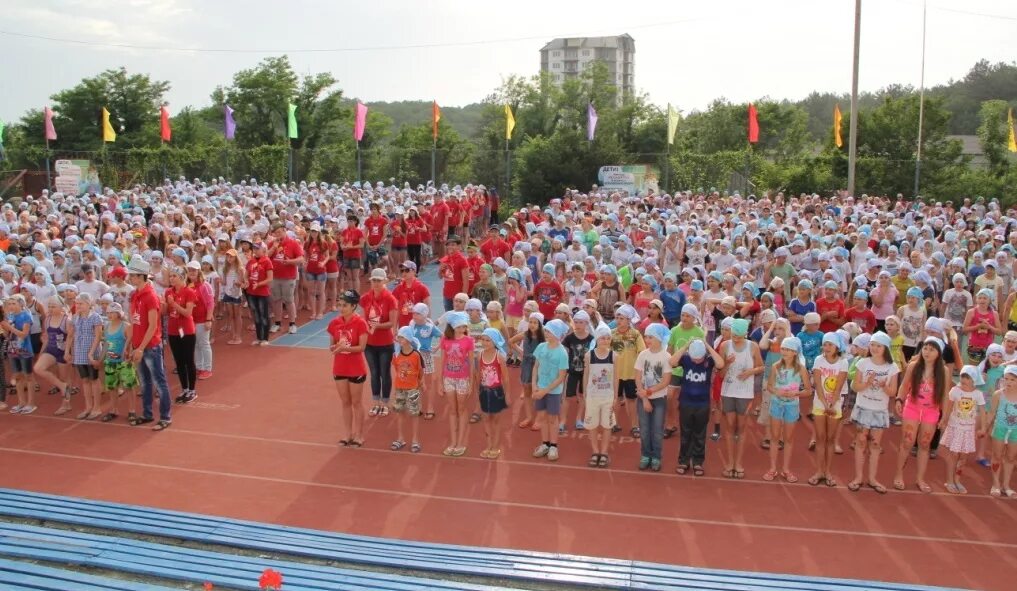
258	288
348	334
494	246
287	254
317	251
410	291
180	303
454	271
437	219
146	344
415	232
382	314
352	241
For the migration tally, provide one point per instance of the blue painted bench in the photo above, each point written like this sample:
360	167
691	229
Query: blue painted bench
440	558
25	576
190	565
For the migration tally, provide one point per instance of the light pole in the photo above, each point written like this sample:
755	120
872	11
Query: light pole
853	127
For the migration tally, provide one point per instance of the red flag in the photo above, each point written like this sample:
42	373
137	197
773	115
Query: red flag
753	125
435	117
164	129
48	122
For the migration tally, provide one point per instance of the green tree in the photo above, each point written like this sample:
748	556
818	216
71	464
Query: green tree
410	155
993	135
259	97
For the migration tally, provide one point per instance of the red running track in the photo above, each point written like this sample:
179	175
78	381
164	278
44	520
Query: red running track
260	444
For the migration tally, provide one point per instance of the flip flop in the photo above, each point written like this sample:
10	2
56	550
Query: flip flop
952	488
728	473
995	492
1010	493
816	480
474	418
669	432
594	461
681	469
415	448
161	426
344	443
854	486
698	471
739	474
925	488
789	477
899	484
428	416
449	451
878	488
604	461
770	475
356	443
831	482
397	445
108	417
525	423
765	444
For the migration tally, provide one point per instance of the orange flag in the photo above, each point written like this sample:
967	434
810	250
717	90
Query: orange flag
753	124
164	125
435	118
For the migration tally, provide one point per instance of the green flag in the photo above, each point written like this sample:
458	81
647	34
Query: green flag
1	135
292	122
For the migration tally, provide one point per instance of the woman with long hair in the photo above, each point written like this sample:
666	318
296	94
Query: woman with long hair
920	402
317	253
203	314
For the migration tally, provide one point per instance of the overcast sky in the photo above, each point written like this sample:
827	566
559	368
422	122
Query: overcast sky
457	51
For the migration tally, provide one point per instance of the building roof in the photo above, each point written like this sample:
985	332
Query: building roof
589	42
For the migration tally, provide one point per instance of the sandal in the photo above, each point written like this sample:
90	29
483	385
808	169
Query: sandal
952	488
356	443
374	411
995	492
486	454
739	474
854	486
459	451
765	444
494	454
698	471
82	416
397	445
594	461
474	418
93	415
416	447
837	449
448	451
899	485
604	461
525	423
635	432
161	426
789	477
64	409
108	417
681	469
131	417
925	488
669	432
428	416
344	443
831	482
812	445
877	487
728	473
1010	493
816	480
770	475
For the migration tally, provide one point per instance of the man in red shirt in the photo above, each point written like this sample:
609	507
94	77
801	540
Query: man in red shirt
494	246
381	312
146	344
377	228
454	270
287	254
438	217
410	291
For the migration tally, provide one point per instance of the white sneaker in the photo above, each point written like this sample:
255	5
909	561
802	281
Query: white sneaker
293	329
275	328
16	410
552	454
541	451
27	410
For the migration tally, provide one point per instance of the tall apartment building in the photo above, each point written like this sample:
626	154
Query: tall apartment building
566	58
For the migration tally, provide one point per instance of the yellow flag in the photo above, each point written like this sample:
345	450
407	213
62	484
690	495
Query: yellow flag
1011	142
510	122
108	135
672	123
836	127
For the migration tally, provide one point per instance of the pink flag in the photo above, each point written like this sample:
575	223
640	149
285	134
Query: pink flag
361	121
50	130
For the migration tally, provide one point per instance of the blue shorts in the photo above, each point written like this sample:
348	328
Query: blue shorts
22	364
315	276
230	300
551	404
785	410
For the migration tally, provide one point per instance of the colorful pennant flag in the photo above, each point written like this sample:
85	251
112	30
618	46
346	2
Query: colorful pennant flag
1011	142
108	133
50	131
510	122
165	133
229	125
360	122
836	127
435	118
291	122
753	124
672	123
591	122
1	134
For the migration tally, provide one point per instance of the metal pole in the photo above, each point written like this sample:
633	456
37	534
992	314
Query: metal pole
290	165
667	169
434	147
853	128
226	157
921	106
358	162
163	158
508	170
49	182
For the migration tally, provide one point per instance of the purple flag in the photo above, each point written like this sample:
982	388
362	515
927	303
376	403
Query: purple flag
231	125
591	122
360	122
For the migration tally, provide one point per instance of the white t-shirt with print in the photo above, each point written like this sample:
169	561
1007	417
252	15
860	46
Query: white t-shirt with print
874	397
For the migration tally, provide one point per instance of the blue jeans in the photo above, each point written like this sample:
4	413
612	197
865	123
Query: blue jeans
651	428
152	372
379	362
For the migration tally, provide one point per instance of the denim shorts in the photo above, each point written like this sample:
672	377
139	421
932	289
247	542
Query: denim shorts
785	410
230	300
315	276
22	364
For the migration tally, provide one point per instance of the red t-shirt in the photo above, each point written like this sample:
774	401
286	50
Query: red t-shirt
415	231
178	321
315	253
375	230
405	297
474	263
377	308
347	332
288	249
865	319
548	295
494	248
332	266
257	271
352	235
143	301
451	271
455	214
398	234
439	213
823	305
430	225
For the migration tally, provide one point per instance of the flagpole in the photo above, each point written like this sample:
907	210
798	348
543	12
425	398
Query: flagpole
226	157
434	148
358	161
853	127
508	170
289	166
667	169
49	182
163	158
921	106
